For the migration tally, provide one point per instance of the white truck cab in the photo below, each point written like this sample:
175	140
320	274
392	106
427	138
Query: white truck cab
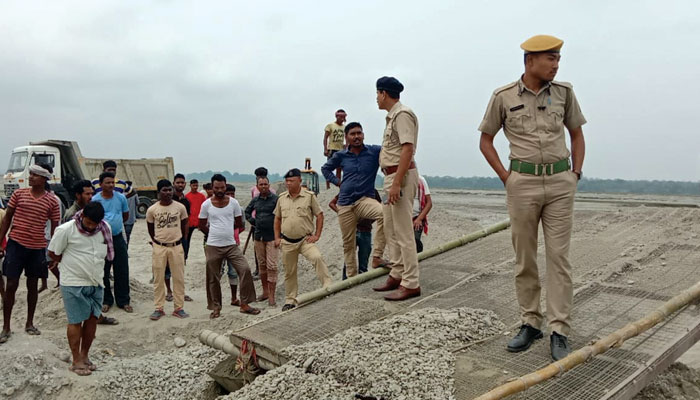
17	175
69	166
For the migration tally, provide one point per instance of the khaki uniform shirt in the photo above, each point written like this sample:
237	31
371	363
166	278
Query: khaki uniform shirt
297	213
401	127
534	122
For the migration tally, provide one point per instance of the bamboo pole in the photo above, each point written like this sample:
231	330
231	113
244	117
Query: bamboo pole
615	339
375	273
223	343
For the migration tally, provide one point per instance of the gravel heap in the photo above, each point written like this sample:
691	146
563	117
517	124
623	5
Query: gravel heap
679	382
30	374
404	357
176	374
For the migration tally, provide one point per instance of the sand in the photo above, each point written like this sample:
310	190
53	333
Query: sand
35	366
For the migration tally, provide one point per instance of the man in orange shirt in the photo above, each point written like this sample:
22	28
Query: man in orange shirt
196	198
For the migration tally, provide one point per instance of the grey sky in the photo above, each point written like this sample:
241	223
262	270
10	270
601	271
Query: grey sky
236	85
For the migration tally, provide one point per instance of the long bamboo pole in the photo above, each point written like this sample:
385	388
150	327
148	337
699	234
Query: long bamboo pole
375	273
615	339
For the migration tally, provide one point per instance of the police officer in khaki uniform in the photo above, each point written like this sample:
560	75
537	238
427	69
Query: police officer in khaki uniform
400	185
294	232
540	185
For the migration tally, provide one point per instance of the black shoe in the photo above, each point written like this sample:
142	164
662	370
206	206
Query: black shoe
559	345
524	338
288	307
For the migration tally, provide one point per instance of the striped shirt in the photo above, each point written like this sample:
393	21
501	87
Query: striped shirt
120	186
29	220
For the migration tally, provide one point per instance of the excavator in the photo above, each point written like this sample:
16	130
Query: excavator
309	177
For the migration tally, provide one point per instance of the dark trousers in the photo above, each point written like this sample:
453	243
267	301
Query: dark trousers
364	249
419	243
186	247
121	274
127	230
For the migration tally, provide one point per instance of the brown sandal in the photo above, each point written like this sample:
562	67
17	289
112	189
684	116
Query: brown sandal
215	314
250	310
80	371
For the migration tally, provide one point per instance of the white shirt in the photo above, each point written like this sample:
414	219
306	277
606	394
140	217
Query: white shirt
83	256
416	201
221	222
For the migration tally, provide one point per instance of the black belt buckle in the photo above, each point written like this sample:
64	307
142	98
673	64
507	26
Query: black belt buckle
291	240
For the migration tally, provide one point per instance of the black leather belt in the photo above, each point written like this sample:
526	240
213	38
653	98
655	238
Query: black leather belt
292	240
167	244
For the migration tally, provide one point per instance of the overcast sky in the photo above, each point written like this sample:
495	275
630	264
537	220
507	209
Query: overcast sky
226	85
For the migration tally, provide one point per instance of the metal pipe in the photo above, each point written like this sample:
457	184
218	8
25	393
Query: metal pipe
223	343
615	339
375	273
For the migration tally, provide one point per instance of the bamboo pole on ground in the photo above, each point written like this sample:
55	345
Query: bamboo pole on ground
223	343
375	273
615	339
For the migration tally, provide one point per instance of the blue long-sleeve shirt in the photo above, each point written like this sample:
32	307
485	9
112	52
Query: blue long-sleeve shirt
359	173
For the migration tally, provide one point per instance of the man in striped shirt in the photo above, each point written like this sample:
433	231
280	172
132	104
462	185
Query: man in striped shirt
27	212
120	186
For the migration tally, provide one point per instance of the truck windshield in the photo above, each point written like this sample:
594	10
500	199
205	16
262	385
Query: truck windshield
18	161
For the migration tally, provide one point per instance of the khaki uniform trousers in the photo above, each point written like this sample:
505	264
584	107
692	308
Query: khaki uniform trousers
290	258
367	208
175	258
215	256
266	254
398	229
550	199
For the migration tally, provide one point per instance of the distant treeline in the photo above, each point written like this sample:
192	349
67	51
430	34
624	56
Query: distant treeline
493	183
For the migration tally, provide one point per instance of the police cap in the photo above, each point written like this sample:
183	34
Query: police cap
389	84
542	44
292	172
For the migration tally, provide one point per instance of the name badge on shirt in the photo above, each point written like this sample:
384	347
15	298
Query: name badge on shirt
516	108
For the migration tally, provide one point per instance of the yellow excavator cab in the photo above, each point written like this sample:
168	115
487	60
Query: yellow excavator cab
309	177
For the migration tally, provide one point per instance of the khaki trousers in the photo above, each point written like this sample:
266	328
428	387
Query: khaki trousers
549	199
215	256
175	258
348	216
290	257
398	229
266	253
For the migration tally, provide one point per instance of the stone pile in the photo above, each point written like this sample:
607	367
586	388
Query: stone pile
178	374
408	356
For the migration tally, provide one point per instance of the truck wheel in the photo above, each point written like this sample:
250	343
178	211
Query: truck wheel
142	207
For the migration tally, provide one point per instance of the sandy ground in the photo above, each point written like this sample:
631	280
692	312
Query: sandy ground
34	366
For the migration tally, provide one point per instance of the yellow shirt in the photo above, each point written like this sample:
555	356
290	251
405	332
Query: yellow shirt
336	140
297	213
534	122
167	221
401	127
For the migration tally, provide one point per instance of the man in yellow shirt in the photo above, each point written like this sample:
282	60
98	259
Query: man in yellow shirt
334	139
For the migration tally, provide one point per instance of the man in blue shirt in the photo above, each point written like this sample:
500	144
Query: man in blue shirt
359	163
116	212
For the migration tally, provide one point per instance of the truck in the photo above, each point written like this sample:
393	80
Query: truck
69	166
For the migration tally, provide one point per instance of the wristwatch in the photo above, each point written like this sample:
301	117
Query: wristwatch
578	173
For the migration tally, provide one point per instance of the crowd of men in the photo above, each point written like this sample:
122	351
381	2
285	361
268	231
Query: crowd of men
90	248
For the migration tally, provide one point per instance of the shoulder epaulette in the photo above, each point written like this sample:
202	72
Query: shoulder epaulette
506	87
563	84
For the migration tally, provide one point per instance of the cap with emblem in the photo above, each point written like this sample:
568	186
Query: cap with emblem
389	84
542	44
292	172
